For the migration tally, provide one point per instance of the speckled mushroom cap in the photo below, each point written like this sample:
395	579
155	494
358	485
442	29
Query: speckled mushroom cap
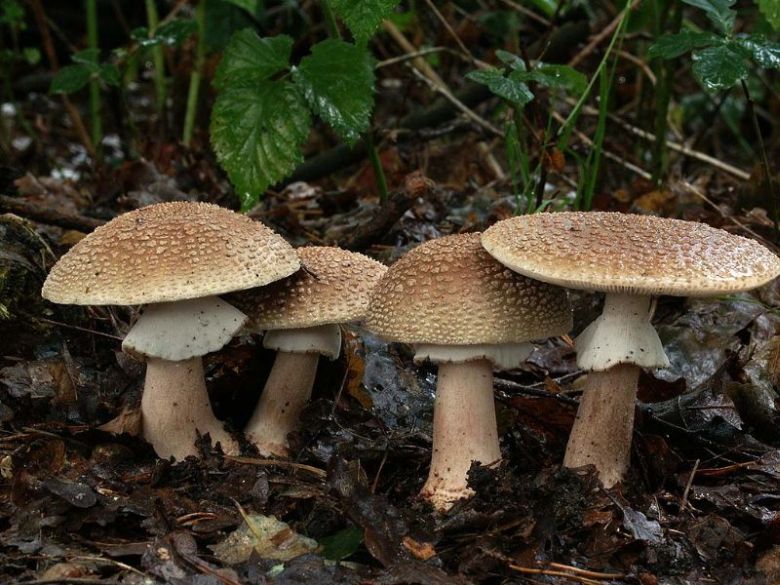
333	287
637	254
450	291
169	252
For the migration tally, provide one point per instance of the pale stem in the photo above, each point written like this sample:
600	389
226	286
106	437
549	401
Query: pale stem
286	393
604	426
464	430
175	407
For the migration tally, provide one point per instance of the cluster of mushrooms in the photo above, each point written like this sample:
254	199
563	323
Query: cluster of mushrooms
468	303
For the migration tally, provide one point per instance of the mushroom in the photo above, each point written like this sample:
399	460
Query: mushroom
174	258
465	312
301	315
632	259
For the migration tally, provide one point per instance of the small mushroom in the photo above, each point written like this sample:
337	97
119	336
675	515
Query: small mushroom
173	258
632	259
465	312
301	316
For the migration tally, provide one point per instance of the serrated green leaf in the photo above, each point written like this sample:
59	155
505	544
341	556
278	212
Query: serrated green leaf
511	89
337	80
363	17
718	68
556	77
257	131
771	11
71	78
109	74
222	21
671	46
719	12
342	544
250	58
251	6
763	51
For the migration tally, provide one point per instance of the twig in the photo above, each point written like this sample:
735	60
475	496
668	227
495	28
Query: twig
448	95
279	463
730	218
599	38
416	185
684	500
419	63
610	155
49	215
77	328
586	572
449	28
526	12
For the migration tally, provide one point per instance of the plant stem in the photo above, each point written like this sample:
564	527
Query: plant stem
94	84
666	13
373	155
153	20
200	55
330	20
379	173
764	159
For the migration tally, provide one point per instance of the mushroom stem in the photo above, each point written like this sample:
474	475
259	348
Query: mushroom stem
464	430
175	407
602	431
286	392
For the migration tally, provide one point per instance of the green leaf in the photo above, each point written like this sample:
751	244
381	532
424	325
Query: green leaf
363	17
12	13
258	129
337	80
719	12
110	74
342	544
512	90
71	78
771	11
32	55
176	31
671	46
557	77
251	58
511	60
222	21
89	57
251	6
764	52
719	68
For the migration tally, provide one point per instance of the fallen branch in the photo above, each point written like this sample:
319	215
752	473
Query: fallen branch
47	215
415	185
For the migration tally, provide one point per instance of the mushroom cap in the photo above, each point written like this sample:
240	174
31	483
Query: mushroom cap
333	287
169	252
634	254
450	291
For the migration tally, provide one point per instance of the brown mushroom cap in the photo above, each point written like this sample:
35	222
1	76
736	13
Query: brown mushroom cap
636	254
169	252
450	291
333	287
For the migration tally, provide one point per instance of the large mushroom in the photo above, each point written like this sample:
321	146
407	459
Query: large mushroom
632	259
467	313
173	258
301	315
